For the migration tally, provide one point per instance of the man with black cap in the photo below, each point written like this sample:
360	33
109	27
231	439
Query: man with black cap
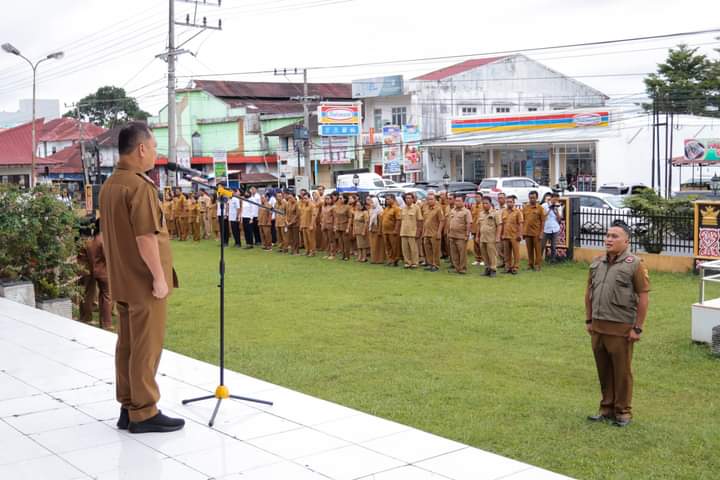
616	304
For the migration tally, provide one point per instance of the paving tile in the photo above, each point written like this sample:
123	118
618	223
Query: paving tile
19	449
105	410
165	469
98	392
255	425
77	437
349	462
408	472
49	420
113	456
192	438
278	471
413	445
50	468
534	473
12	388
298	443
361	428
232	457
473	464
31	404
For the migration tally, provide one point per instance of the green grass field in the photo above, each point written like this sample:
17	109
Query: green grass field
504	365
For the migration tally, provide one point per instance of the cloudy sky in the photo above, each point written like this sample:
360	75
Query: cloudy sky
115	42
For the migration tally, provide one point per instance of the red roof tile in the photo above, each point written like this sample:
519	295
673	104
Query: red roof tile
16	145
446	72
64	129
274	90
67	160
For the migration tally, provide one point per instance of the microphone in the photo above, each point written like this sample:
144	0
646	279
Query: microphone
187	171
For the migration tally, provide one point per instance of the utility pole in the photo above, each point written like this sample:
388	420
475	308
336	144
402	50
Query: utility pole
169	56
305	99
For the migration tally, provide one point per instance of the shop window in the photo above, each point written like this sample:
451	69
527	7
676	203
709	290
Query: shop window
197	144
502	109
581	166
464	111
532	109
377	119
399	115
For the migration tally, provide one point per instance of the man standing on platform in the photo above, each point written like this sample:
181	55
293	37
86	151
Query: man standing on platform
534	221
139	261
616	304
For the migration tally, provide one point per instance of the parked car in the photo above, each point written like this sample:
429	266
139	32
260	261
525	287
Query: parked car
518	186
427	186
620	188
367	182
599	210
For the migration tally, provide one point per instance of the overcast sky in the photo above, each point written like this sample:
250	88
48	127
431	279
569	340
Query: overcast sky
114	42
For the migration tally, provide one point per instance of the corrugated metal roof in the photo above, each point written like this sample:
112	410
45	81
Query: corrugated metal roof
64	129
67	160
16	145
446	72
288	130
274	90
109	138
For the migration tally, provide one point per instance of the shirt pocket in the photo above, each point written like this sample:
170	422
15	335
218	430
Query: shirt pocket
623	293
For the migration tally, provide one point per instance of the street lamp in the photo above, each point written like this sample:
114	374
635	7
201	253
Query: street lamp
356	180
446	181
562	182
53	56
283	179
715	184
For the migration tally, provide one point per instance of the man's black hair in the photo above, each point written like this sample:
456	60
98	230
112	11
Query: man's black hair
623	225
533	192
554	195
132	134
514	197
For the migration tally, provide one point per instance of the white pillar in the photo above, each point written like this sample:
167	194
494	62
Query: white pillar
556	176
462	164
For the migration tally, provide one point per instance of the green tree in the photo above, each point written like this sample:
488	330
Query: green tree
108	107
686	83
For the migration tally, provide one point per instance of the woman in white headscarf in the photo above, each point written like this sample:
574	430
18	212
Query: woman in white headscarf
377	247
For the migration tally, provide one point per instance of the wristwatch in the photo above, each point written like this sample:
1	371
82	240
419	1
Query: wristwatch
637	330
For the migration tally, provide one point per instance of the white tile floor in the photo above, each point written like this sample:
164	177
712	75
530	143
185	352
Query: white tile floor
58	413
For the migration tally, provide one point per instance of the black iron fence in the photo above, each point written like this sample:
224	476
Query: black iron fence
666	233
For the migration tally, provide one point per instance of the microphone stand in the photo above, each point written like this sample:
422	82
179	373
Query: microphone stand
222	392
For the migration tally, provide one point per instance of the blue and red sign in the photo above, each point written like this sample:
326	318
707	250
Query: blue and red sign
530	122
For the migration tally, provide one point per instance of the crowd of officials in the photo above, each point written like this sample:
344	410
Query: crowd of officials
355	226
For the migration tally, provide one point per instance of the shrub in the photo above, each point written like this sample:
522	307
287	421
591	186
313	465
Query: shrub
665	218
38	241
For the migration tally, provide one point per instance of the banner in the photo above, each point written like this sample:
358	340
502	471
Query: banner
411	136
507	123
336	119
220	165
378	87
337	150
182	157
392	150
703	149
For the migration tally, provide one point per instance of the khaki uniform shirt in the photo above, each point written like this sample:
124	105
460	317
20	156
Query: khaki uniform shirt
327	217
291	214
409	218
432	220
204	202
390	216
534	220
167	207
280	217
511	219
129	207
264	217
487	226
458	223
342	217
360	221
308	215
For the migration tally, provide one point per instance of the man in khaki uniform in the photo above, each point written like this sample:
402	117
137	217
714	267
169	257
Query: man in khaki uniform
308	220
292	224
204	201
411	220
534	216
178	214
139	261
616	304
327	222
265	223
459	228
433	225
487	235
280	205
194	217
502	201
391	231
475	212
512	227
167	208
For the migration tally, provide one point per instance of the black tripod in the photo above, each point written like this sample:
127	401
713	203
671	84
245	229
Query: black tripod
222	392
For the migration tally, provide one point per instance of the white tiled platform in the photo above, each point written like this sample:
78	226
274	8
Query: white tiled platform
57	416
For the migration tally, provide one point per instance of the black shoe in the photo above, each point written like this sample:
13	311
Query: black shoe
248	247
492	274
600	418
124	419
158	423
621	422
486	273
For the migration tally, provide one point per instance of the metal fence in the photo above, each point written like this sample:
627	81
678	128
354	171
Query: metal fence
670	234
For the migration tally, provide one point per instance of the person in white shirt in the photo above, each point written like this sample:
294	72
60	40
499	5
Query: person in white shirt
255	197
249	221
272	202
233	210
551	230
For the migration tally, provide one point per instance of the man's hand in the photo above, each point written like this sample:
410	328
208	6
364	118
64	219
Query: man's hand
160	289
519	238
633	336
588	327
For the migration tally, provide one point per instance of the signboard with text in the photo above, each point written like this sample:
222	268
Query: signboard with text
220	165
702	149
392	150
339	119
520	121
337	150
411	137
378	87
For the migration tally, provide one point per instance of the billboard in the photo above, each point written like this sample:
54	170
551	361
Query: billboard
339	119
337	150
378	87
702	149
392	150
411	136
220	166
505	123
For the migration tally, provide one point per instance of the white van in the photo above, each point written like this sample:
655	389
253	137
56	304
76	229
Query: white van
369	182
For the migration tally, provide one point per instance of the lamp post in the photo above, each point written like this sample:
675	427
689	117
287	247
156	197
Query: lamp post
562	182
715	184
53	56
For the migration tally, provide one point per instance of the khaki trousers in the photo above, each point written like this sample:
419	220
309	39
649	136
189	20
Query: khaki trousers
343	243
207	226
613	358
477	251
196	227
294	238
329	241
489	255
309	240
377	248
141	329
500	247
432	251
101	287
281	237
392	247
266	236
184	228
171	227
511	249
534	251
410	251
458	253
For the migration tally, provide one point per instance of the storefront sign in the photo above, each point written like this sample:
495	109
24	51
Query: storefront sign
337	150
411	136
220	165
703	149
378	87
339	119
507	123
392	150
